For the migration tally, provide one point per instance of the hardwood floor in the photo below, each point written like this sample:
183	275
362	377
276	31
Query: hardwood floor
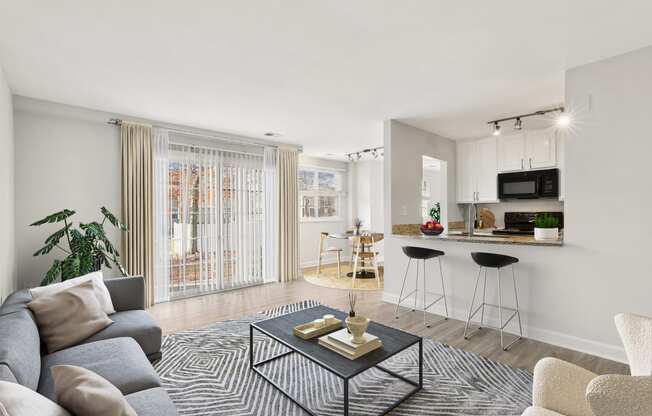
204	310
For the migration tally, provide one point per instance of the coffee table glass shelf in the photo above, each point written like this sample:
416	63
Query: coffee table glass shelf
280	329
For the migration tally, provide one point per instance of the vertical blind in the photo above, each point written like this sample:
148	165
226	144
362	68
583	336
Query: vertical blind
218	220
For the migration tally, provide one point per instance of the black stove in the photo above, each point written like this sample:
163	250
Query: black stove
522	223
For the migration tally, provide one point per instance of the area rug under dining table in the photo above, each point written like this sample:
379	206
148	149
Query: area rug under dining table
206	372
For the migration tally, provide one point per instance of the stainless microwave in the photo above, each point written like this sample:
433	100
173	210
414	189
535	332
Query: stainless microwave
530	184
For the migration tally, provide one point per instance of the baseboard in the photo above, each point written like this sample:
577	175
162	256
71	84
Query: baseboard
600	349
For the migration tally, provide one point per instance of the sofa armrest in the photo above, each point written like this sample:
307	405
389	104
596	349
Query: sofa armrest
613	395
561	387
127	293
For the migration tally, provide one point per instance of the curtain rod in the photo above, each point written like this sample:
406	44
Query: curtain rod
118	122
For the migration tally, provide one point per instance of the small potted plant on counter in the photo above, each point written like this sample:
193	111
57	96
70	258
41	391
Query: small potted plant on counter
546	227
433	227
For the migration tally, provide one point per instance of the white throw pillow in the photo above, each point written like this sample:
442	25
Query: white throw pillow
101	292
17	400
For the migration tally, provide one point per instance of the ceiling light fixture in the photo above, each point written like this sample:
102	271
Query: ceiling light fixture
496	129
375	153
563	119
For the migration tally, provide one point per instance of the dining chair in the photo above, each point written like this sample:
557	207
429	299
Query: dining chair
324	250
365	256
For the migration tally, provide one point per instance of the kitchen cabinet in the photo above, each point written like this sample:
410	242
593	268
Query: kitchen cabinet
533	149
477	171
541	149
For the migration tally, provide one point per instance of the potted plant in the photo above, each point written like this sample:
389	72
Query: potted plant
546	227
357	224
87	246
434	226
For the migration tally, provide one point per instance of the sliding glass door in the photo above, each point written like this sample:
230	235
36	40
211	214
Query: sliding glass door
216	220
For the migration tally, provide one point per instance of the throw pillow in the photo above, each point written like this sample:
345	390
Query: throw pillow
84	392
101	291
69	316
17	400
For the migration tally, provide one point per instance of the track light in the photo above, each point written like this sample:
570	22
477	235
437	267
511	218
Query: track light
563	120
518	124
358	156
496	129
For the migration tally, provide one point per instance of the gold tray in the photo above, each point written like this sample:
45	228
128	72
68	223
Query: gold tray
307	331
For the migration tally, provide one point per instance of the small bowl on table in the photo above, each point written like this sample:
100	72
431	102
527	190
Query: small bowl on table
431	231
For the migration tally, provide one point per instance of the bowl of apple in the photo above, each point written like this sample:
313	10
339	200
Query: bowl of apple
432	228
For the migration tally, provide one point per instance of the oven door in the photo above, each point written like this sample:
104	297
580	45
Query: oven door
519	185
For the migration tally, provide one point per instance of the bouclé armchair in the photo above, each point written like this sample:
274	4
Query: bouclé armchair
563	389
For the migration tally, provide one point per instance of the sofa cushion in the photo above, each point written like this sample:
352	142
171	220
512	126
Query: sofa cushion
119	360
69	316
20	348
17	400
99	289
152	402
15	302
83	392
137	324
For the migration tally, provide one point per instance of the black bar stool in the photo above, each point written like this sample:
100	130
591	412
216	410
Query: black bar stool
495	261
422	253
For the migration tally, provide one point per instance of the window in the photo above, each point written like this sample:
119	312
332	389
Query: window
216	220
320	192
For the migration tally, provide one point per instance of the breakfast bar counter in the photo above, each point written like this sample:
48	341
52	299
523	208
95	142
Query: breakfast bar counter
481	236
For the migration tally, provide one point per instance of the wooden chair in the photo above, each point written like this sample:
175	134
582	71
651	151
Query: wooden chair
366	259
328	250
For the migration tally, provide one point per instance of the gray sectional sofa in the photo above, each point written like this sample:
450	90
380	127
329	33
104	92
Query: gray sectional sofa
121	352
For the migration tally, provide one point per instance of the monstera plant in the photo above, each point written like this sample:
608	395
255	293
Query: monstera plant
85	248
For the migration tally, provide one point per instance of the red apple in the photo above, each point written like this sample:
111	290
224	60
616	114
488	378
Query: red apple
438	227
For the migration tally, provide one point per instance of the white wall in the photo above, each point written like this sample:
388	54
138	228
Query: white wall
63	160
7	191
407	145
367	196
309	231
570	294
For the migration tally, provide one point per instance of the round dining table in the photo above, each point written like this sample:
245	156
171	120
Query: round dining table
350	235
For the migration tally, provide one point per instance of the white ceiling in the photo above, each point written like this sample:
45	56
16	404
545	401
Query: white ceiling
324	74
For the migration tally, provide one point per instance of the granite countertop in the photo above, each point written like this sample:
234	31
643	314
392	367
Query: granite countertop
482	236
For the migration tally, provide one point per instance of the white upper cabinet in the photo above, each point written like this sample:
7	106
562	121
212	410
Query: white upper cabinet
533	149
541	149
511	152
486	170
465	172
476	171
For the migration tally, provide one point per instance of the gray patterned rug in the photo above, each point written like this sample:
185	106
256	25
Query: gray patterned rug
206	372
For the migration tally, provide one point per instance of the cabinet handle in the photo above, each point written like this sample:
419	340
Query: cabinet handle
530	163
521	164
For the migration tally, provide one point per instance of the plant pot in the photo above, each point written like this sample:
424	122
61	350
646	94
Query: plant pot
357	326
546	233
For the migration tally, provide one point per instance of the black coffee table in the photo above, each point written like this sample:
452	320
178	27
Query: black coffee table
280	330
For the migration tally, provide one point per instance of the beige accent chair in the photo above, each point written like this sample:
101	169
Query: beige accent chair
323	251
563	389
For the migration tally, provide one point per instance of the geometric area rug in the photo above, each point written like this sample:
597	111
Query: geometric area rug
206	372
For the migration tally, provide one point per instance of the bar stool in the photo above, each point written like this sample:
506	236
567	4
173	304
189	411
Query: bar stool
422	253
495	261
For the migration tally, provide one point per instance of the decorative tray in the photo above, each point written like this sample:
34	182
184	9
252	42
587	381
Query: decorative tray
308	331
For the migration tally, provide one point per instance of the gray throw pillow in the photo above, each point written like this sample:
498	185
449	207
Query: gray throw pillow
83	392
67	317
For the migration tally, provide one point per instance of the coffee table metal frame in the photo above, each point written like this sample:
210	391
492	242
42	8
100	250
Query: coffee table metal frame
345	379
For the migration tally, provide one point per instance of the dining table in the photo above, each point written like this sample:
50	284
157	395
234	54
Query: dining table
351	235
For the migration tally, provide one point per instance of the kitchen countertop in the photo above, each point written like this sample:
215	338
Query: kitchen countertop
481	236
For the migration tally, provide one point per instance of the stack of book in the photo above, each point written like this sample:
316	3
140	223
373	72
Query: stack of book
340	342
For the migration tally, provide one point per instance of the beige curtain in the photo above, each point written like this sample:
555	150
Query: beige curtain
137	203
288	203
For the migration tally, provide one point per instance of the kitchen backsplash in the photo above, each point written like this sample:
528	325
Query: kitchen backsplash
536	205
